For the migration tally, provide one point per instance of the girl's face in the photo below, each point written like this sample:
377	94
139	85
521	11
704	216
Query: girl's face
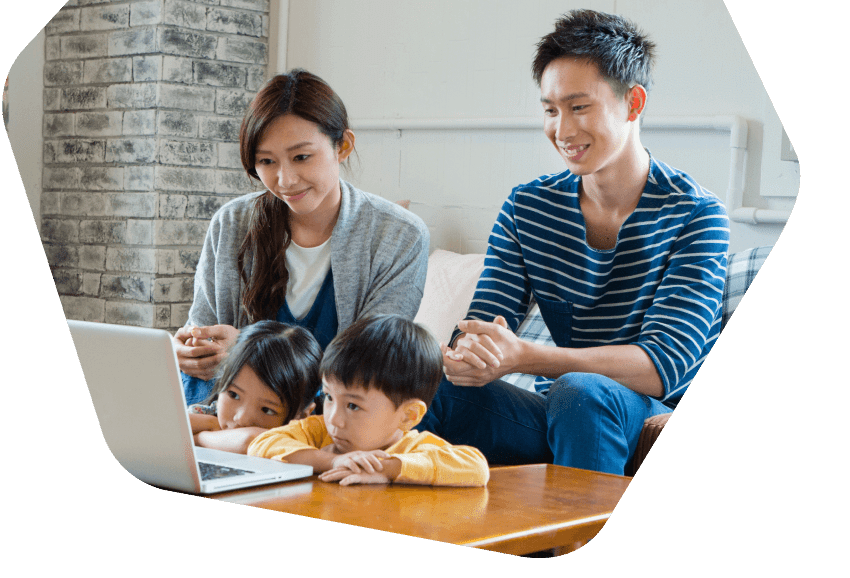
300	166
249	402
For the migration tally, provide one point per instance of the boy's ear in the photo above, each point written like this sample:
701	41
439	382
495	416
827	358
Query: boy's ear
306	411
413	410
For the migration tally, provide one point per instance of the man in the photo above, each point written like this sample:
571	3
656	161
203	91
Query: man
625	256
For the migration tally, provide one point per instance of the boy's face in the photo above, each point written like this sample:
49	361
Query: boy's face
360	419
583	118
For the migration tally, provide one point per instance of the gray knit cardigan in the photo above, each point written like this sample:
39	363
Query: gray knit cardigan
379	257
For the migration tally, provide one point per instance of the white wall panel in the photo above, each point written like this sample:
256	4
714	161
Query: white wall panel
446	59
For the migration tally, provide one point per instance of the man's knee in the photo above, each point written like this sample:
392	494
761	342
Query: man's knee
581	398
578	392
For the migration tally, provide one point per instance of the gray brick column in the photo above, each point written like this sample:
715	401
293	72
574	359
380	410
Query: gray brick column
143	102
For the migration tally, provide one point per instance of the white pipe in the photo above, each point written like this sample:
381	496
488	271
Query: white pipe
492	123
733	124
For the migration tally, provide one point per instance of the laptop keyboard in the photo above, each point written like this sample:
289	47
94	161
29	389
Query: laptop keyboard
214	471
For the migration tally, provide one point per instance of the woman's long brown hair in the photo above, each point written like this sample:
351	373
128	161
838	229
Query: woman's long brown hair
305	95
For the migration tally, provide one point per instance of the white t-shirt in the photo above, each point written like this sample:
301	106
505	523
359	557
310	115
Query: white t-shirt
308	267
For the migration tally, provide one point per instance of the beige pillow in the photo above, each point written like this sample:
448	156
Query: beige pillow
449	288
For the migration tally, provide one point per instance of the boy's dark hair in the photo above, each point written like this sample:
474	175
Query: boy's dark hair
621	52
389	353
284	357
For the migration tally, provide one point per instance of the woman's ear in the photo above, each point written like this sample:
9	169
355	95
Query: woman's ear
413	410
346	147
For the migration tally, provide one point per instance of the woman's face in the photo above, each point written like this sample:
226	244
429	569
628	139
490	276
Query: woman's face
300	165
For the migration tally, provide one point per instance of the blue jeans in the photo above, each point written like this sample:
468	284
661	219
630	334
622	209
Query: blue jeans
584	421
195	390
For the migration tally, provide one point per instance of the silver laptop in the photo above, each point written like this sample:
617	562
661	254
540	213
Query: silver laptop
135	386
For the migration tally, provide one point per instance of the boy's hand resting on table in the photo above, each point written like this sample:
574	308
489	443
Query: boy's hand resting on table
359	467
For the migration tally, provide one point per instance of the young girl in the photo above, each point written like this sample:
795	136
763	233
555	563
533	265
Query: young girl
310	249
269	377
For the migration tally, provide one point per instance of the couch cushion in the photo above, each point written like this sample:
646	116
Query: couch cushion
533	329
449	287
741	269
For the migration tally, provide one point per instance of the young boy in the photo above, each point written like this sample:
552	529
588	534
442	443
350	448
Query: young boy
378	378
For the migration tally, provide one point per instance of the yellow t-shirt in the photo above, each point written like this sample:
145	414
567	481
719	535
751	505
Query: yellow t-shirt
425	458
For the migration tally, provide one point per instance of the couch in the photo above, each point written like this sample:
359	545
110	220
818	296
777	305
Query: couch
451	282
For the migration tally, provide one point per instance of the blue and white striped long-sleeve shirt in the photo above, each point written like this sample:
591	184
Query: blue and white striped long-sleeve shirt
660	288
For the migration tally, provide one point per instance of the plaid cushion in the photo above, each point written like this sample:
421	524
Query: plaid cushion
531	329
740	272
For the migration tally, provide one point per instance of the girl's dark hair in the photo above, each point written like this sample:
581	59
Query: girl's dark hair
284	357
623	54
305	95
389	353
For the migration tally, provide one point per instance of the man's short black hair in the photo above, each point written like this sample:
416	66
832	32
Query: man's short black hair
623	54
389	353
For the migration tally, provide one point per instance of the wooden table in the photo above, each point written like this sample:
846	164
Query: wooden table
523	509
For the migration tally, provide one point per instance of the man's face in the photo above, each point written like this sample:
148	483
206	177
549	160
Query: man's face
583	118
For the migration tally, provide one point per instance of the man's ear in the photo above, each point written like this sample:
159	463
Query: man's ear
413	410
346	147
636	101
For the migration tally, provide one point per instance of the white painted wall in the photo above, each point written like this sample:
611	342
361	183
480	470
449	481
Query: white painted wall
405	59
279	15
26	89
401	59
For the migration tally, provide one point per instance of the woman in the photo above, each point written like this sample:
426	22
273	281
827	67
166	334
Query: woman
311	249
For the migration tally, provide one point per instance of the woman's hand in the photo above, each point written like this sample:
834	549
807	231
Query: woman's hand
201	349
